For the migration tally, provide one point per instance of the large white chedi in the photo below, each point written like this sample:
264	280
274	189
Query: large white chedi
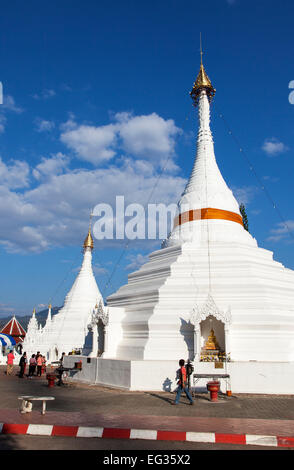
209	274
68	329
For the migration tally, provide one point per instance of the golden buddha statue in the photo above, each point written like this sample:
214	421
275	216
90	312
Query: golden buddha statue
211	342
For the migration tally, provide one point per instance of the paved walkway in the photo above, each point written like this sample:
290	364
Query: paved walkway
83	405
152	422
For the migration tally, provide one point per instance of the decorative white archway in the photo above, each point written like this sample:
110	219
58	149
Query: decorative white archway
198	314
99	313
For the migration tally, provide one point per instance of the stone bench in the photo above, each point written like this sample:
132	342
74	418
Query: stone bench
27	405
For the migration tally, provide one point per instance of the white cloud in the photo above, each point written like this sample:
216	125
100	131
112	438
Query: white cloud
283	231
5	309
271	179
141	166
123	116
44	94
69	124
31	240
136	261
148	137
7	106
245	194
15	175
56	212
99	270
255	211
51	166
2	123
90	143
43	125
273	147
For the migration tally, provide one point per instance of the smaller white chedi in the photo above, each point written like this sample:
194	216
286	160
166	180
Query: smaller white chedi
69	328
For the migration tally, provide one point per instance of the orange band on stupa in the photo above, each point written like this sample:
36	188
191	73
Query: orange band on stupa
208	213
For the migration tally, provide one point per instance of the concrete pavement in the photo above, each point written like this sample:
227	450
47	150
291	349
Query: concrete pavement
85	406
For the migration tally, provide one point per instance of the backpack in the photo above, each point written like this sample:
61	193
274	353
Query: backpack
189	368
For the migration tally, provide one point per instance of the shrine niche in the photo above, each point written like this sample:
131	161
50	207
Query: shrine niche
212	340
101	337
98	324
211	331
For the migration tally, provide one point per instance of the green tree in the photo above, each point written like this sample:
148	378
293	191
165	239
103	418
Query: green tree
244	217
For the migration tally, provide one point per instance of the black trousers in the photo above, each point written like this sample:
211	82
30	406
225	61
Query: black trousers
22	369
39	370
32	370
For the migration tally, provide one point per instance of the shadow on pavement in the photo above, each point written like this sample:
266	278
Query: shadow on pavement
167	400
9	442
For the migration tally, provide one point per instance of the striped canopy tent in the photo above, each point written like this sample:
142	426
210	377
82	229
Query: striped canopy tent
13	328
7	340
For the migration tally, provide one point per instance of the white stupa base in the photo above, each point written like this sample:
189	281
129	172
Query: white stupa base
246	377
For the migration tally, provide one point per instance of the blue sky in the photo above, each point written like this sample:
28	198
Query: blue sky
96	100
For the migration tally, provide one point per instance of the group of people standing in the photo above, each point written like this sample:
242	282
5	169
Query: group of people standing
37	361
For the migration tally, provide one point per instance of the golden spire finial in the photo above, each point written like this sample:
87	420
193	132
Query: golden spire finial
88	243
202	82
201	52
34	311
50	306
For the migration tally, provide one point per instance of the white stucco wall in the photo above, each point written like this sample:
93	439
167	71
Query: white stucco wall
246	377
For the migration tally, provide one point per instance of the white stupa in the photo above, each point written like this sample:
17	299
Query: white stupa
68	329
210	275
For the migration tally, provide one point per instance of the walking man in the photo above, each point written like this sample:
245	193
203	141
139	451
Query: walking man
10	359
182	384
